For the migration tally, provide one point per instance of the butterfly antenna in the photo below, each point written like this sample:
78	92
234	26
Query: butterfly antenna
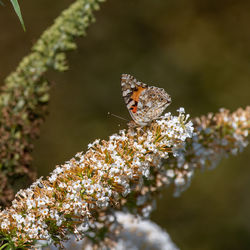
118	116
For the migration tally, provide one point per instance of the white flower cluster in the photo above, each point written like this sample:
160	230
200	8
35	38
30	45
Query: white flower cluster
90	182
215	136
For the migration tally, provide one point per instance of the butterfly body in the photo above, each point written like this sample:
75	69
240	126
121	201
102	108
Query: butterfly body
145	103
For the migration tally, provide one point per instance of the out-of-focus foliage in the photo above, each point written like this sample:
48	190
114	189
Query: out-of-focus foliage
25	94
136	233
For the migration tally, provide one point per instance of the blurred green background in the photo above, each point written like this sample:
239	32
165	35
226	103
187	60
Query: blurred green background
198	50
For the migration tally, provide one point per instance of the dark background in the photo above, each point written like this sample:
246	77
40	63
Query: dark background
198	50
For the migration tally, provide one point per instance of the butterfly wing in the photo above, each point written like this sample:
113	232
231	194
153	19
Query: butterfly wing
131	92
144	103
154	101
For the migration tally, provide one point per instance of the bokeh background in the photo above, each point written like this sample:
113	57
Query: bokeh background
198	50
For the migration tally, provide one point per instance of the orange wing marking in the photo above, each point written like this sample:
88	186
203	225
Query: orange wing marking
136	94
134	108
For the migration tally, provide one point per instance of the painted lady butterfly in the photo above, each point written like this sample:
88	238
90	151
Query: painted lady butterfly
145	103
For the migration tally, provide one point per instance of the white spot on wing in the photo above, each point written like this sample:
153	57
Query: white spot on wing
140	105
149	104
124	93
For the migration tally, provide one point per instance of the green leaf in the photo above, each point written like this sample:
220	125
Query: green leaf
5	245
18	11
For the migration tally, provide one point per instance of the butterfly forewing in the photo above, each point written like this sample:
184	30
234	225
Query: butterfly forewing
131	87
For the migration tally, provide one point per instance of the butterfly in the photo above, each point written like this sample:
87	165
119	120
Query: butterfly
145	103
